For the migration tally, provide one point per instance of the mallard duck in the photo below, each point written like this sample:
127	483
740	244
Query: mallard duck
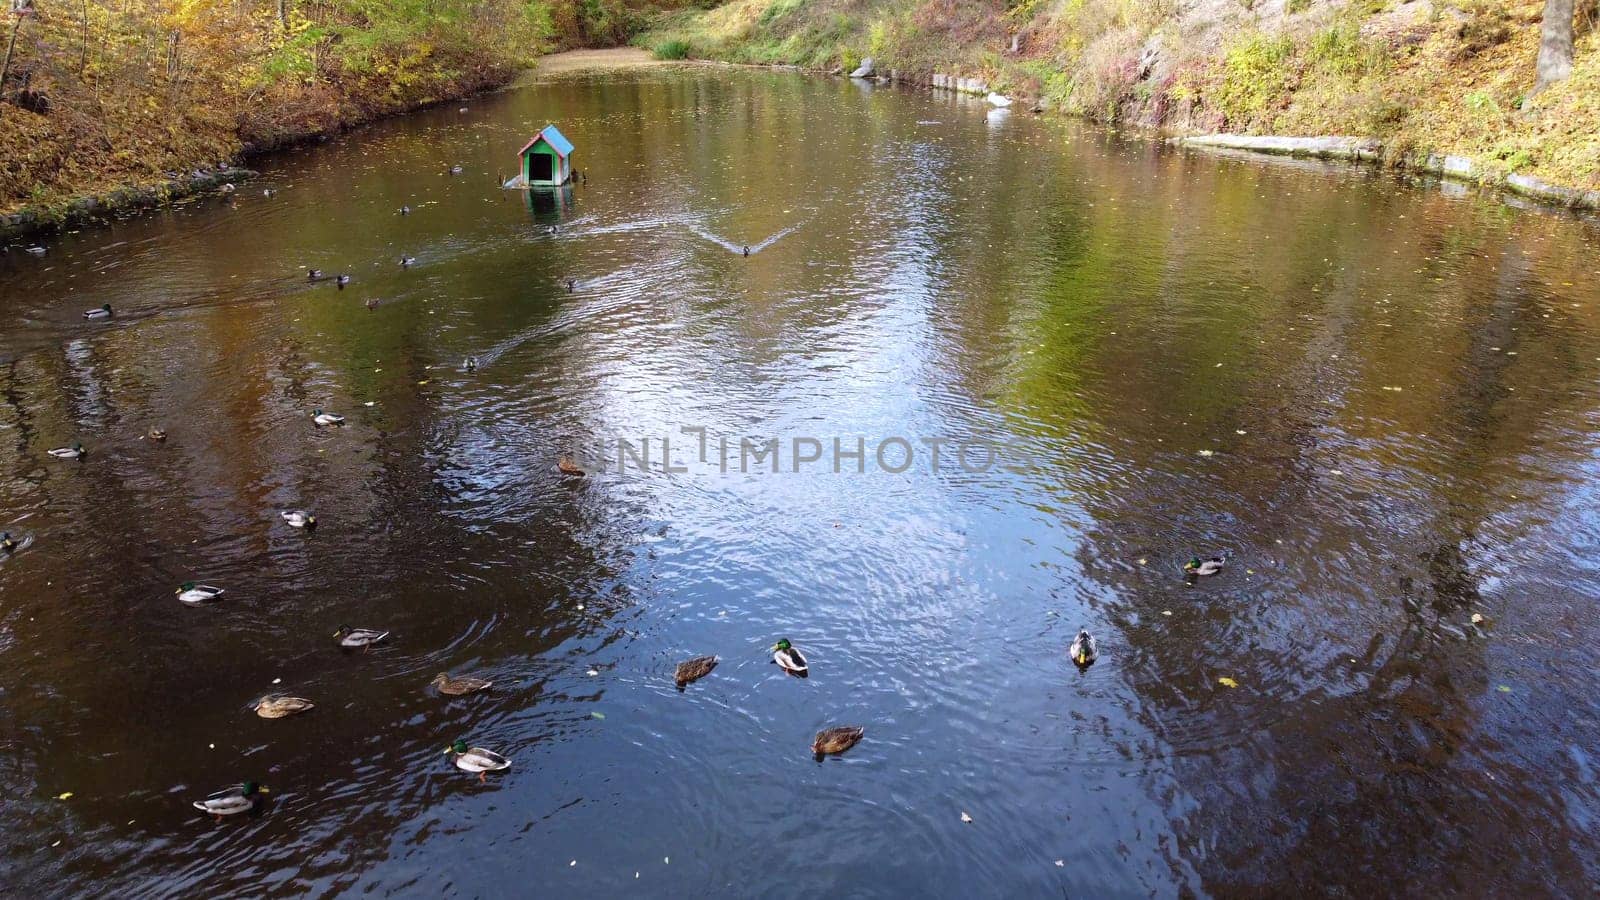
470	364
694	670
241	798
76	451
456	170
569	467
155	434
407	261
314	275
455	687
405	210
276	706
326	418
746	251
359	637
34	251
789	658
196	594
477	759
1198	566
8	543
1083	650
268	192
372	302
837	740
299	518
104	312
571	285
340	280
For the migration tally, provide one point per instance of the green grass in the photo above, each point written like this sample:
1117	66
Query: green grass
673	48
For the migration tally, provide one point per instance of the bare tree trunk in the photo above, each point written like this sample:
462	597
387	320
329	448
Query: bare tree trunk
6	66
1555	44
83	53
283	16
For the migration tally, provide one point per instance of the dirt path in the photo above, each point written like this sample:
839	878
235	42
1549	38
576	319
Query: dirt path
587	60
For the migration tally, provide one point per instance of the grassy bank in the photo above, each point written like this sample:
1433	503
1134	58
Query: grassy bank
1445	78
126	98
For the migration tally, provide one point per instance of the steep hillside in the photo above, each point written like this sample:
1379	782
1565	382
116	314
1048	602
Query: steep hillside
1445	78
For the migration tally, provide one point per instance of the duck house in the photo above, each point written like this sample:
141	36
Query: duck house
547	159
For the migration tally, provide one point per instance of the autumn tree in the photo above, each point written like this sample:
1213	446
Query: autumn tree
1555	44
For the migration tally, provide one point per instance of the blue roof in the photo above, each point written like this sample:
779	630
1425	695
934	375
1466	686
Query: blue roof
552	136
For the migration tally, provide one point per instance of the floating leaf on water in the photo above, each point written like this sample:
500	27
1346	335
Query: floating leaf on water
277	681
1238	431
571	864
423	381
598	715
1061	864
965	817
1227	682
65	795
1504	688
1207	453
1166	612
593	672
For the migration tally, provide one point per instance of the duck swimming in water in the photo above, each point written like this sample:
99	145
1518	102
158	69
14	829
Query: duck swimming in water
103	312
789	658
1083	650
747	251
313	274
477	759
196	594
339	281
326	418
76	451
358	637
7	542
299	518
276	706
456	686
837	740
470	364
373	302
568	467
405	210
407	261
456	170
693	670
155	434
238	799
1198	566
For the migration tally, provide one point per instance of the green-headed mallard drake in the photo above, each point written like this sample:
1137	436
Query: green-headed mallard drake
1083	650
837	740
407	262
276	706
568	466
405	210
1198	566
456	686
103	312
313	274
359	637
694	670
340	280
196	594
8	543
76	451
299	518
477	759
326	418
241	798
789	658
470	364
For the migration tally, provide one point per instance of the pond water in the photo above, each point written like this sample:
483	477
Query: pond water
1377	401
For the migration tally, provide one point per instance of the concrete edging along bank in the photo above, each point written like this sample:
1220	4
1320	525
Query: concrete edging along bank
1354	149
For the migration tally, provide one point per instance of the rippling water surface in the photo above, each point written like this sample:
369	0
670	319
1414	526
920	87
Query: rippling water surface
1379	401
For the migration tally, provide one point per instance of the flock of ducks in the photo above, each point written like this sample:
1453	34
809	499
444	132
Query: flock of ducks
828	742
